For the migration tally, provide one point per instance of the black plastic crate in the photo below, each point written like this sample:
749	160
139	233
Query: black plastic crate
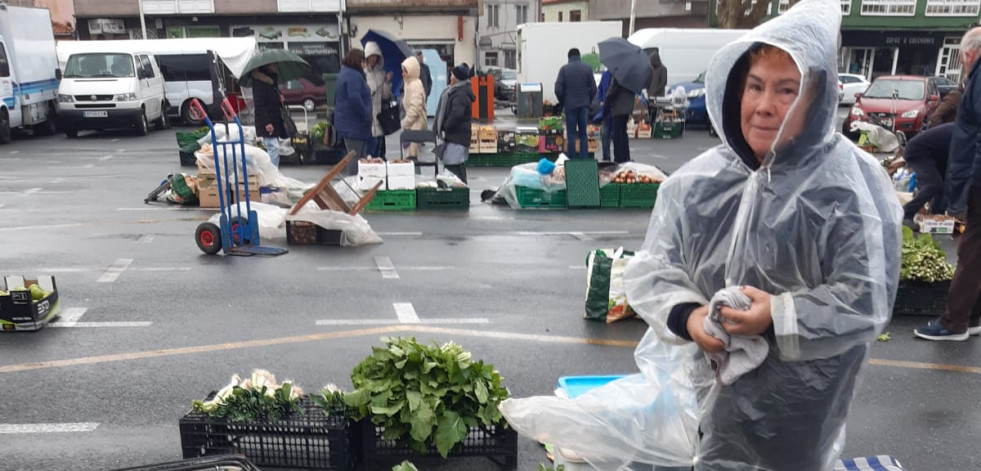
499	444
308	233
188	159
310	440
919	298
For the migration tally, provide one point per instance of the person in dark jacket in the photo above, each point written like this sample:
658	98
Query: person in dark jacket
659	81
619	104
575	88
424	74
268	110
927	154
453	118
962	317
946	111
352	107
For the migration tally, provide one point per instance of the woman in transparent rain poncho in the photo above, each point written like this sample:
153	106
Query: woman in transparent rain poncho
799	218
791	214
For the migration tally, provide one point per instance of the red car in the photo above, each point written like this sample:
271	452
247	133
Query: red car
304	92
895	102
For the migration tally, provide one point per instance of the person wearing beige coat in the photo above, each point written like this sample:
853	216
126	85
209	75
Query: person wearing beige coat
413	101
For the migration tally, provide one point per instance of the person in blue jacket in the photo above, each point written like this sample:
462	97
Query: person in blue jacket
352	107
575	88
607	119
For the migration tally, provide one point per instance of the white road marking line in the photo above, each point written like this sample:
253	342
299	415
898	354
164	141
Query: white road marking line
63	270
386	268
103	324
345	268
70	317
88	166
114	140
1	206
404	234
161	269
406	313
14	152
115	270
105	158
412	268
48	428
58	180
32	191
577	267
574	234
145	239
347	322
55	192
49	226
581	236
432	268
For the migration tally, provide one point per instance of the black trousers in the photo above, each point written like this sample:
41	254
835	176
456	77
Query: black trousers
621	145
459	170
930	186
964	297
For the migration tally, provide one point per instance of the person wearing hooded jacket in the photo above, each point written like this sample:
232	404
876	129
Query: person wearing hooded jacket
380	84
413	101
802	222
659	80
453	118
269	124
352	107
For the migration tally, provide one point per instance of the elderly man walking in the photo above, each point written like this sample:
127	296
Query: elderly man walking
575	88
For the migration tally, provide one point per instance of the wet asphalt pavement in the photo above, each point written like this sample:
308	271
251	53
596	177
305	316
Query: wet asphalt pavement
159	324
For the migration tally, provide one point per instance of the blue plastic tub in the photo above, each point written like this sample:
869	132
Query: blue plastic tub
575	386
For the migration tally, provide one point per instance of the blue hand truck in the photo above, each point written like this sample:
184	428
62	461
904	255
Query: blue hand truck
237	235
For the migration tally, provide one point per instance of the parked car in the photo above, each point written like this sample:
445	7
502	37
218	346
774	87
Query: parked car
896	102
695	89
944	84
850	85
504	82
304	92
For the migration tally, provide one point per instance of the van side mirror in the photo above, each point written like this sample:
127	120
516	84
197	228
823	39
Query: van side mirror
58	74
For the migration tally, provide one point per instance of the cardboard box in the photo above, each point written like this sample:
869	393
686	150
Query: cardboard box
208	192
505	142
526	140
367	183
406	169
18	312
209	173
378	170
592	145
402	182
487	133
474	144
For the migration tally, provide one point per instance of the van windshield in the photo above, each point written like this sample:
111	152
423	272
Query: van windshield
99	65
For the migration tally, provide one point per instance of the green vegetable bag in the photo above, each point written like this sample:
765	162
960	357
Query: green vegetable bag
599	268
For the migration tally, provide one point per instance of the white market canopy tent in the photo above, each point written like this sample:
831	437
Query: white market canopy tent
234	52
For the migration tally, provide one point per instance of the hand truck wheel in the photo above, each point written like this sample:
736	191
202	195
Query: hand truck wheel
208	238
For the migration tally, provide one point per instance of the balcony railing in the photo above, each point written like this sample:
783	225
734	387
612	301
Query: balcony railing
888	7
953	8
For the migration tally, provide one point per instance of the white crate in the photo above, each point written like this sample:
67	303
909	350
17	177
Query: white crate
402	182
372	170
367	183
402	169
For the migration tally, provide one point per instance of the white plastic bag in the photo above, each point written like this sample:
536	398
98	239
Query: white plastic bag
649	417
271	218
882	138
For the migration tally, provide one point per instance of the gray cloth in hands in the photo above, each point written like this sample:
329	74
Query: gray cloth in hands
742	354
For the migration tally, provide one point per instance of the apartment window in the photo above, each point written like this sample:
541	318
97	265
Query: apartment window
575	15
510	60
308	5
769	6
560	16
953	7
170	7
521	14
541	17
888	7
490	59
493	16
846	7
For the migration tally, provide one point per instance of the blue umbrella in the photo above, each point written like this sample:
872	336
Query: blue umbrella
630	66
394	51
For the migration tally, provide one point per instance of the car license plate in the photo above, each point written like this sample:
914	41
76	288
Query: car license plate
95	114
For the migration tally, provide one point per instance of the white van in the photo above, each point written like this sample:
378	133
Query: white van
685	52
102	90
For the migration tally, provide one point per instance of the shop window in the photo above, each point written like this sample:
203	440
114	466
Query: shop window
490	59
846	7
170	7
575	15
953	7
888	7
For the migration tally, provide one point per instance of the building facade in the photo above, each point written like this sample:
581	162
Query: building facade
565	10
651	13
498	30
887	37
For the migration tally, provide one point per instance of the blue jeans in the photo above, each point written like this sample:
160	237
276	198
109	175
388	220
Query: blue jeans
607	128
575	126
272	148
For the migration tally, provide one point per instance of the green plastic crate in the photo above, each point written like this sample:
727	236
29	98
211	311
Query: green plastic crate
582	183
638	195
449	198
668	129
393	200
610	195
540	199
506	160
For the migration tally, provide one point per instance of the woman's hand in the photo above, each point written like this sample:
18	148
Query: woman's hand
696	329
388	77
269	128
753	321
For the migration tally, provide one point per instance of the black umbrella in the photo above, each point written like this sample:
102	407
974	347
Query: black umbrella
289	66
628	64
393	50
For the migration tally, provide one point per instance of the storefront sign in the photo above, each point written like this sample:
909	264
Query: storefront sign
890	39
288	33
107	26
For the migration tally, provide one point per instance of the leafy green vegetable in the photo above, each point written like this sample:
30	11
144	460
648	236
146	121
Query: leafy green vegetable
425	395
248	405
884	337
923	259
331	400
542	467
317	132
405	466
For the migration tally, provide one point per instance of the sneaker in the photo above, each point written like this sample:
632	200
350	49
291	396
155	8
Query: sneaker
974	330
934	331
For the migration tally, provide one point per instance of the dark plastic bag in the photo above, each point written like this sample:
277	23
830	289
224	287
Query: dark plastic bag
388	118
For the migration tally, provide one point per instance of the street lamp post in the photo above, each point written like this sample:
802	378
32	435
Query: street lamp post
633	15
143	20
